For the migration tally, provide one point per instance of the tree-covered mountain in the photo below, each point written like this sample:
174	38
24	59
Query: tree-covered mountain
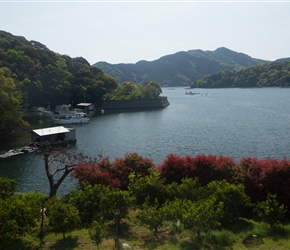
181	68
33	75
275	74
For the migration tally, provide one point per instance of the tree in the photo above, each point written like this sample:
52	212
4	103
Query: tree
232	196
64	217
10	103
202	216
19	214
97	232
149	189
270	211
63	163
7	187
152	215
87	201
151	90
131	163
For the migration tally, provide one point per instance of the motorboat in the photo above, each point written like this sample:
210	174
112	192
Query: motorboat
70	119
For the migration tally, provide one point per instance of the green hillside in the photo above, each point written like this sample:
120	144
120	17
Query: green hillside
275	74
33	75
181	68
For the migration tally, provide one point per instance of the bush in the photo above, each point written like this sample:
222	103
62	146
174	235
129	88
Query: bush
220	238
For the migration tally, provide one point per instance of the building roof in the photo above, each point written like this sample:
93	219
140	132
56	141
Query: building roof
84	104
50	131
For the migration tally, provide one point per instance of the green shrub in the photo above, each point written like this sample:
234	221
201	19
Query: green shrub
220	238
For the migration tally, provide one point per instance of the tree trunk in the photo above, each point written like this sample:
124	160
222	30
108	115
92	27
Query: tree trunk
52	184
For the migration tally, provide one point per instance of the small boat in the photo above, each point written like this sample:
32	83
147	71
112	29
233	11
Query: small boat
11	152
70	119
18	151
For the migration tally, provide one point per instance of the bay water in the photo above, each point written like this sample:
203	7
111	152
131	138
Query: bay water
232	122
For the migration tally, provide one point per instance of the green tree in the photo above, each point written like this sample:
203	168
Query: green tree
149	189
87	201
232	196
114	206
10	103
64	217
270	211
152	215
151	90
19	214
97	232
7	187
202	216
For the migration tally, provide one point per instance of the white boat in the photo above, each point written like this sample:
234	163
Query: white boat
70	119
66	110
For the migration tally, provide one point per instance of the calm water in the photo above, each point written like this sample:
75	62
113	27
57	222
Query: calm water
232	122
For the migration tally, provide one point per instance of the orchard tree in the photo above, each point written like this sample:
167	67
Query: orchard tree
152	215
149	189
19	214
115	206
270	211
233	197
64	217
88	202
202	216
98	232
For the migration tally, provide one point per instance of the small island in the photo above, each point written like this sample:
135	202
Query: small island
129	96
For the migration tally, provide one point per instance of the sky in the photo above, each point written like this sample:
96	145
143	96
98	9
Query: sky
130	31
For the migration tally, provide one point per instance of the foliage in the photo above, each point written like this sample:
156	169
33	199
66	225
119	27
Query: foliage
270	211
87	201
10	102
264	176
97	232
7	187
219	238
206	167
131	91
99	173
33	75
274	74
234	199
19	214
188	189
202	216
115	174
98	201
59	163
152	214
64	217
149	189
115	204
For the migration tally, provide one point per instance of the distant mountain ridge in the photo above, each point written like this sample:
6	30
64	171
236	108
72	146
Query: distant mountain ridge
181	68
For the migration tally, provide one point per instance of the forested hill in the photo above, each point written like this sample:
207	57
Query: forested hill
275	74
33	75
181	68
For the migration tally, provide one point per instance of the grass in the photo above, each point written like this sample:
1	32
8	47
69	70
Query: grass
246	234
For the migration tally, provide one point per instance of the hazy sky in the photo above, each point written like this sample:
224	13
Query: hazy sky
129	31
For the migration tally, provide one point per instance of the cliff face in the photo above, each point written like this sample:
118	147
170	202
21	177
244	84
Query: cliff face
145	104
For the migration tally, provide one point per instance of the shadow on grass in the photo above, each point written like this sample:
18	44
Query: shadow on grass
66	243
17	243
278	232
240	226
